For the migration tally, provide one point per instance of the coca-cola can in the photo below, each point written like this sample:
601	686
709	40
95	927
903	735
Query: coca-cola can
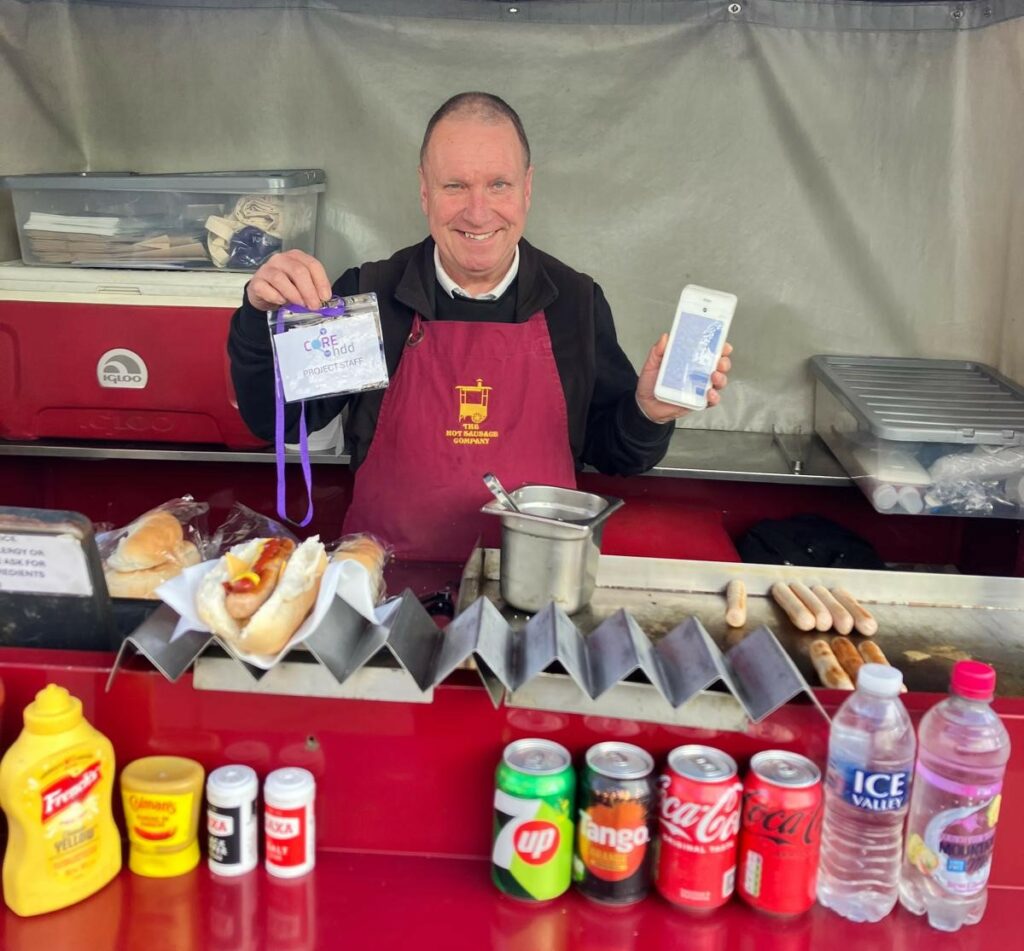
616	818
780	836
698	826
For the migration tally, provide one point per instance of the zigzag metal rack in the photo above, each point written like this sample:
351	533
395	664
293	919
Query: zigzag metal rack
757	671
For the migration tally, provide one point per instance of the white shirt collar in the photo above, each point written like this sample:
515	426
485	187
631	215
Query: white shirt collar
451	288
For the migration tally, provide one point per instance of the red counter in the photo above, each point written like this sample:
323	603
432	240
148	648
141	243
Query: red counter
404	812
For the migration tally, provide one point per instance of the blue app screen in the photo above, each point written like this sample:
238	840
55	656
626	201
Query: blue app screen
691	360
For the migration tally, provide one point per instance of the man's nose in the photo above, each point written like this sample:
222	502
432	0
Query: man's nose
477	205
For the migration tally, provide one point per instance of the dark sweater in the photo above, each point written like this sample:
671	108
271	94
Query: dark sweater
606	428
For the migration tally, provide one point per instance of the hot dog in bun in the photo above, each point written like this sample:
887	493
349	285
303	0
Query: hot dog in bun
260	592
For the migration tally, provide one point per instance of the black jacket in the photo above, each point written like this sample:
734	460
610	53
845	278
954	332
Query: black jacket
606	428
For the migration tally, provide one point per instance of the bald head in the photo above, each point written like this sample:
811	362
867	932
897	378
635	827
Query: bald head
477	107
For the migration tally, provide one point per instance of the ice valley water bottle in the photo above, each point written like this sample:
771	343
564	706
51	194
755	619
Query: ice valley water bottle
963	752
870	758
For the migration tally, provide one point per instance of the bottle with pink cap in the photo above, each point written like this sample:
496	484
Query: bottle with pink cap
963	749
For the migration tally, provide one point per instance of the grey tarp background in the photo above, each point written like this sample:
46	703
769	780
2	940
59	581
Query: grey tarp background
852	171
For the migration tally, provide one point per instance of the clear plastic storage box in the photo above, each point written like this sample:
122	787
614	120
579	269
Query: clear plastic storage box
924	437
206	220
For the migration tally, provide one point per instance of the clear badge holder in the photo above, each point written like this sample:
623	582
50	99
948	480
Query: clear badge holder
332	351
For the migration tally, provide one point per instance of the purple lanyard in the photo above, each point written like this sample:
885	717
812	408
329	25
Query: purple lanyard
307	475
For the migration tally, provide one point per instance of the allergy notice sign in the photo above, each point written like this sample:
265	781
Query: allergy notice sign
43	564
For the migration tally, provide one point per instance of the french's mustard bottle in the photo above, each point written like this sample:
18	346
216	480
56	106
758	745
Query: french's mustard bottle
56	782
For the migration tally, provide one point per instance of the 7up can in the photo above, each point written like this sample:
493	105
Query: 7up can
533	805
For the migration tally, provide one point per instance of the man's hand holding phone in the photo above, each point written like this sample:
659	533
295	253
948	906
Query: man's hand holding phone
687	367
659	411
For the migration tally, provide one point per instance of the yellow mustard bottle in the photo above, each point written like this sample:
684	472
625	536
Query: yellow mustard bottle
56	782
162	796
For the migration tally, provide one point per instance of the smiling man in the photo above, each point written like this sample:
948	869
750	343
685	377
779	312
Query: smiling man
501	358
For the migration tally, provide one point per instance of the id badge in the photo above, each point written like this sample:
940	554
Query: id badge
329	352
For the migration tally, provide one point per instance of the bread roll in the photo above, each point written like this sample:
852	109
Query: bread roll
827	667
150	540
370	553
281	615
142	584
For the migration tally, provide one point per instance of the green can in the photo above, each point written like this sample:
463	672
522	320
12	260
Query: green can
533	831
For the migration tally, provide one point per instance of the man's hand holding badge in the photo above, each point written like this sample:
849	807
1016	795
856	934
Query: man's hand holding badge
336	349
329	351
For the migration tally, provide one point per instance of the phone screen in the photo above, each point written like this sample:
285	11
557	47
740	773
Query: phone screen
691	361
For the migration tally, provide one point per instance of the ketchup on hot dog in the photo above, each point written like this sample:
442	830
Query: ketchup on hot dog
253	577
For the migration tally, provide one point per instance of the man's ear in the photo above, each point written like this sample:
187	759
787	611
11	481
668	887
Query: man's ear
423	189
528	187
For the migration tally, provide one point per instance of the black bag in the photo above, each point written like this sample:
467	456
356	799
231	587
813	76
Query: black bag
808	540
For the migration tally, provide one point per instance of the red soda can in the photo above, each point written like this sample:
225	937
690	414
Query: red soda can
781	833
698	825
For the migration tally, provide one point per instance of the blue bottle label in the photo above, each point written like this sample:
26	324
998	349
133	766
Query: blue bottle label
873	791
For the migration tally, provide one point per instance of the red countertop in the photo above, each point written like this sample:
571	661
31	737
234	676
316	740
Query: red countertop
381	902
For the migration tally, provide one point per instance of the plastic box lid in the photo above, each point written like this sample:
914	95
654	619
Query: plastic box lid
260	182
25	282
922	400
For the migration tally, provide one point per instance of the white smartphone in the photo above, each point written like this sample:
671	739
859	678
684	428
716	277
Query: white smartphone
694	346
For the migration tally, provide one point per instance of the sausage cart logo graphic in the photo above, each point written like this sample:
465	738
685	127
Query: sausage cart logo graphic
123	370
474	402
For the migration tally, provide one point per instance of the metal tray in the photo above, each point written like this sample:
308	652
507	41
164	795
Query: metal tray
918	400
926	621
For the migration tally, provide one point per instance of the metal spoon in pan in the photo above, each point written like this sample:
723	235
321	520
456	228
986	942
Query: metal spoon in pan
498	490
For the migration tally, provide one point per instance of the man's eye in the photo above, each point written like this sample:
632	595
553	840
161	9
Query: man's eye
453	187
500	186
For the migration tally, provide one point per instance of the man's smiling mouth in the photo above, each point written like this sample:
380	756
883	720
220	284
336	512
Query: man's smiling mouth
477	237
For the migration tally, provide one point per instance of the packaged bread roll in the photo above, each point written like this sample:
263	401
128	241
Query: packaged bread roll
152	550
369	552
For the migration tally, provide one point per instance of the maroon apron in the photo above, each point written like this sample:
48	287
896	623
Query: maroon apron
467	398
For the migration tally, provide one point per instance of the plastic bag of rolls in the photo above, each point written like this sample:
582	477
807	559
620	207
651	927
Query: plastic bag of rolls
156	546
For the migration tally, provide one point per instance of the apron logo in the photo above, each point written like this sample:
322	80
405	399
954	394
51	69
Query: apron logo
473	403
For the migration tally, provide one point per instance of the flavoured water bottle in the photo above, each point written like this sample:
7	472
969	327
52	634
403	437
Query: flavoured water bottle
870	759
958	780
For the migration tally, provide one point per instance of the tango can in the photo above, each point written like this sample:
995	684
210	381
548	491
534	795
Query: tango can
614	823
535	792
698	828
780	834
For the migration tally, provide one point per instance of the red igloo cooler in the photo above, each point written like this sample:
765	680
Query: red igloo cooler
123	354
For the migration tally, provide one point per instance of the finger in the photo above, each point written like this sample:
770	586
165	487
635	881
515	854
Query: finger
322	282
302	279
726	349
724	365
291	294
653	361
713	397
263	296
719	381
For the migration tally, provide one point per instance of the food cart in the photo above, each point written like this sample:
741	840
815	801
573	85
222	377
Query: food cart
849	169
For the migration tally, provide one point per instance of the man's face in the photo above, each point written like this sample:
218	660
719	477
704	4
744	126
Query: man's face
475	191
